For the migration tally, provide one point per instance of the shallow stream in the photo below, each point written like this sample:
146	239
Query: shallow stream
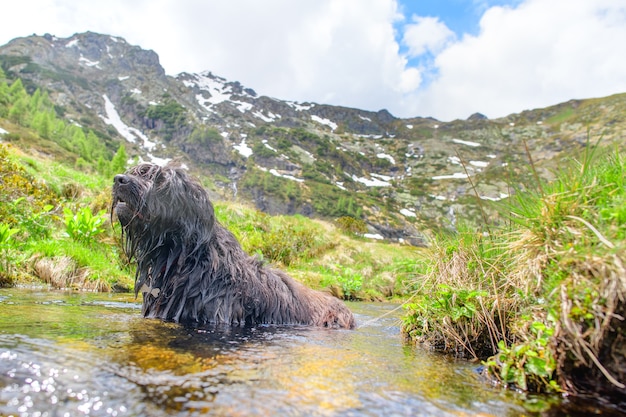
73	354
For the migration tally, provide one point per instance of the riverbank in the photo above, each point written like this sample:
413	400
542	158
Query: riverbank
540	297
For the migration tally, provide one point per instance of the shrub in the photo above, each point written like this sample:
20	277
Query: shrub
351	225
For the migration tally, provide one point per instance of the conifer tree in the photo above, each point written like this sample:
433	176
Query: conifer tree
17	91
18	112
5	99
118	163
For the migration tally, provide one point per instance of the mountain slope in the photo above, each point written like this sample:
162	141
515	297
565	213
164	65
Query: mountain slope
400	176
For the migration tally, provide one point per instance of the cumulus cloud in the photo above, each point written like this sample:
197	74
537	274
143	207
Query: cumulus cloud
537	54
362	53
426	34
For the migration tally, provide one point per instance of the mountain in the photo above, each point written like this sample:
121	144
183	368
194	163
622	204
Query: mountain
400	176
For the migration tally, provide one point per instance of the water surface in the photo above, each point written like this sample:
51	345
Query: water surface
64	353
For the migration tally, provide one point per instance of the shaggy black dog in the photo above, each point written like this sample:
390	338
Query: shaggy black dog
190	269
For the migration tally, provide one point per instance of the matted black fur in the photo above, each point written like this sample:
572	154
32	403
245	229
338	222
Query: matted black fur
191	269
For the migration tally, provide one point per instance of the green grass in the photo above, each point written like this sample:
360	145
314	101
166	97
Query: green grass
321	254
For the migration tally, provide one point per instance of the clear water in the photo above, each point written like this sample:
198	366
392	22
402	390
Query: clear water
72	354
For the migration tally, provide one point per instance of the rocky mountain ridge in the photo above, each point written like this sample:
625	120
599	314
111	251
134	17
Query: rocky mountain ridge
400	176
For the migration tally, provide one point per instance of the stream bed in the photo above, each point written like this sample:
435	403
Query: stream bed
88	354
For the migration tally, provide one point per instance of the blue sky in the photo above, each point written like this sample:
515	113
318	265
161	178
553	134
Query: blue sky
462	17
432	58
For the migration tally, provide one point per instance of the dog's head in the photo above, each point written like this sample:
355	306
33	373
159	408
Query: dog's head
161	202
129	194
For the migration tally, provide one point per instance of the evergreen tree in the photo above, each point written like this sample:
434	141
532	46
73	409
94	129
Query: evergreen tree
17	91
19	111
95	147
118	163
57	129
5	96
79	143
41	123
34	104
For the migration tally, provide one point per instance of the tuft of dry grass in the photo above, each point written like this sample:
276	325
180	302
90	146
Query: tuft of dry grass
62	272
464	301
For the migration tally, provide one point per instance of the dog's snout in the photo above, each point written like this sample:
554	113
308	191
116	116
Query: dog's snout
120	179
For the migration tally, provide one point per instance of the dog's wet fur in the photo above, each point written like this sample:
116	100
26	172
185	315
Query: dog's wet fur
190	269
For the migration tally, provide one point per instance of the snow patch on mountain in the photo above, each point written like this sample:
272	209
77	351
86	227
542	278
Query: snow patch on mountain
243	147
387	157
325	122
466	142
454	160
299	107
72	43
153	159
479	164
131	134
408	213
158	161
271	117
501	197
88	63
456	175
287	176
276	173
268	146
375	182
220	92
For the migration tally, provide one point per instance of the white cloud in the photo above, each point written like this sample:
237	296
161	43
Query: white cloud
346	52
426	34
535	55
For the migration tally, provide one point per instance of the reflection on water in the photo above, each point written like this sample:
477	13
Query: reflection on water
91	354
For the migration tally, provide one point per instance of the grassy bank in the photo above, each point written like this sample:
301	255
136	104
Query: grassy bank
56	229
539	298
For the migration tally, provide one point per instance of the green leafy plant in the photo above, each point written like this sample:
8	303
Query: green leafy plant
447	304
351	283
6	233
527	365
36	223
83	225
